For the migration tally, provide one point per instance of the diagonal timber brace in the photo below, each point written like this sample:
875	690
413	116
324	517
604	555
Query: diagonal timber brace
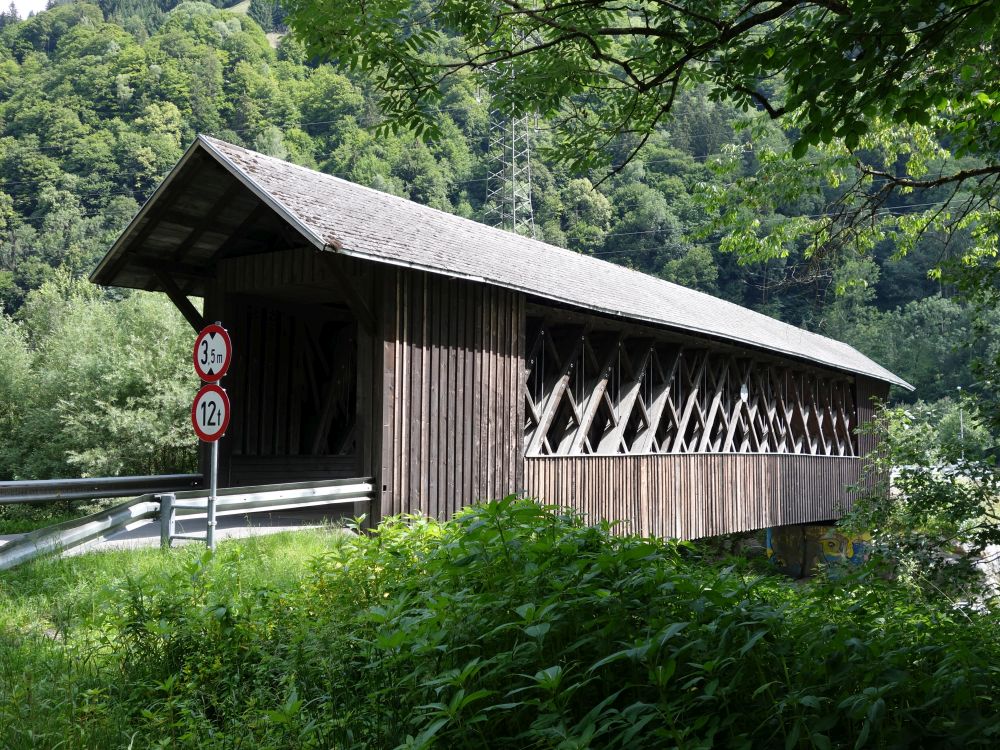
609	391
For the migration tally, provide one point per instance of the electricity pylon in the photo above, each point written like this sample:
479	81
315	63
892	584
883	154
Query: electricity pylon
508	171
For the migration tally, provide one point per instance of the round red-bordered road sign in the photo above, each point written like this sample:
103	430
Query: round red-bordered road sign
213	353
210	413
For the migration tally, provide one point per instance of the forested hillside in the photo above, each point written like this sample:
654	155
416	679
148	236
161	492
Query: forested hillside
97	102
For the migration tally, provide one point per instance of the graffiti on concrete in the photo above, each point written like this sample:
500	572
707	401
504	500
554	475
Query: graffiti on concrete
797	550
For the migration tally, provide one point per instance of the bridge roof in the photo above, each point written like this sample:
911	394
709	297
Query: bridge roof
339	216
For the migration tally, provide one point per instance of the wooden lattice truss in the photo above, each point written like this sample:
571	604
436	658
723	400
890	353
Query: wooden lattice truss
605	391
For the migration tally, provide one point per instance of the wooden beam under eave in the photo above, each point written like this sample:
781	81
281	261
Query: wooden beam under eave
209	222
180	300
158	266
241	232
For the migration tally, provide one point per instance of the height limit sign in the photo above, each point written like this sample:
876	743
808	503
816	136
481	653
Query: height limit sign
213	353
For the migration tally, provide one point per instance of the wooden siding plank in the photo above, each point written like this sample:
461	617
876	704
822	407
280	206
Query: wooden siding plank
476	428
520	347
469	356
435	356
282	393
697	495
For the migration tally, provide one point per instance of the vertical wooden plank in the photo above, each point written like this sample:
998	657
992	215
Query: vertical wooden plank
417	402
520	354
411	415
508	391
410	412
469	419
282	394
505	391
451	459
389	381
253	391
238	375
485	387
432	463
298	385
445	460
426	406
268	382
402	396
459	498
478	406
495	396
483	391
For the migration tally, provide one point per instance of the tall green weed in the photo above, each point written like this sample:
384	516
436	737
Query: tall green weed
516	625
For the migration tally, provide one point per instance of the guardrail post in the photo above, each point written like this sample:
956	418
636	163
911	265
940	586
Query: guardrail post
168	518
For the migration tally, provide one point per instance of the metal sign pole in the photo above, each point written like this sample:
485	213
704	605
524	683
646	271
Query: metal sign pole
210	412
213	472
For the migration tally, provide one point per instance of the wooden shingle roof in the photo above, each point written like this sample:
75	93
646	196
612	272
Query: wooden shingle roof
340	216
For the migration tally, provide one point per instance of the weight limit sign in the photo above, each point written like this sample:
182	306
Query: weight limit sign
210	413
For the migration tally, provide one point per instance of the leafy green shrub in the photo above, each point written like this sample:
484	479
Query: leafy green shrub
95	387
516	625
932	506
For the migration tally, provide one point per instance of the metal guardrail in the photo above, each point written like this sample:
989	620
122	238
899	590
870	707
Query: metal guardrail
50	490
167	507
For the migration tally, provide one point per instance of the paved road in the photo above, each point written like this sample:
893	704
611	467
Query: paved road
147	533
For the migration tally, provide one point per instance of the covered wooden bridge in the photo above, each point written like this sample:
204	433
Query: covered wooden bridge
455	362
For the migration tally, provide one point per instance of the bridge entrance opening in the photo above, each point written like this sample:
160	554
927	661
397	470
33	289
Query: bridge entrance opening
294	391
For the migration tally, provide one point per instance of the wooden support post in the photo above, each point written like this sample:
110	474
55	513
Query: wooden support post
720	382
181	302
646	441
736	414
691	403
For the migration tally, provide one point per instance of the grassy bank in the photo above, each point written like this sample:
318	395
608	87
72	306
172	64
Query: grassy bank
510	627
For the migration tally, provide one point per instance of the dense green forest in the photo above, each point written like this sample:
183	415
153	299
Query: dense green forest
97	102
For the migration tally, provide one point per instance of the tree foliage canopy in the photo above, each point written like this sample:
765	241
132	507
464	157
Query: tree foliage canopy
609	67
